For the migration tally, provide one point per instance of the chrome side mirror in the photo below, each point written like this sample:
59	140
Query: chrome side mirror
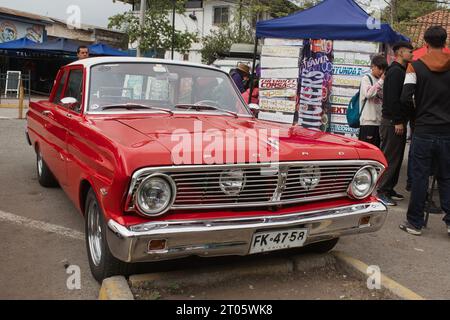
69	102
254	108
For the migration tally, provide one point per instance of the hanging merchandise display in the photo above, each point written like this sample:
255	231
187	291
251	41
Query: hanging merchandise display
316	79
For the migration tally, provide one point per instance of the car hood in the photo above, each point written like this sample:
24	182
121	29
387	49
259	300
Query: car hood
204	139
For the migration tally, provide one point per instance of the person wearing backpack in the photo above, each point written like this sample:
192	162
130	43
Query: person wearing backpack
371	100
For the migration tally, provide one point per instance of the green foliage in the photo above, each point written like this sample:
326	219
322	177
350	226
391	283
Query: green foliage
406	11
241	29
156	33
219	42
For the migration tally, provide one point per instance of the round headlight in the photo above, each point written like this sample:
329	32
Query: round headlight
363	183
232	182
310	177
155	195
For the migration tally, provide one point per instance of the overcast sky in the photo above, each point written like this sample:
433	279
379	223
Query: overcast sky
93	12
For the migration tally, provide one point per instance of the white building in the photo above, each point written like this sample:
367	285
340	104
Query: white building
201	17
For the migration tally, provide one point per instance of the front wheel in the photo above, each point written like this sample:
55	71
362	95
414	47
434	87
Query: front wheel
101	261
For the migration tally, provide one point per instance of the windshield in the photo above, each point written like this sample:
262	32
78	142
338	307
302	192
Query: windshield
134	86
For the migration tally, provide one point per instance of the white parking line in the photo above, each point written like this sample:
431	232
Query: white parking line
39	225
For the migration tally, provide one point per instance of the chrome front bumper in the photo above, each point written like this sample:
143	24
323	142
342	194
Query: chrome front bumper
209	238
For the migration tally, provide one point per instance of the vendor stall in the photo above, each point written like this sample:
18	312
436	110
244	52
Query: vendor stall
312	62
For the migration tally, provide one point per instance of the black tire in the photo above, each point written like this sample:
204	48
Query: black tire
322	247
103	264
45	176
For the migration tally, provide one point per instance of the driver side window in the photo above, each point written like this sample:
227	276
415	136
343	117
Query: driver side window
74	88
59	92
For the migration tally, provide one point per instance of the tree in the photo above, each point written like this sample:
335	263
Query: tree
242	27
400	12
156	34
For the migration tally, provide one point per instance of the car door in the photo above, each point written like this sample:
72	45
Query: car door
73	117
65	113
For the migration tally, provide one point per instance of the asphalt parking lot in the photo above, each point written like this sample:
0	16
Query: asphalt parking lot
42	237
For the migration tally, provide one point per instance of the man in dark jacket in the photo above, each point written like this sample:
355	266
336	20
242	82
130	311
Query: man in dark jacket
427	83
395	116
240	76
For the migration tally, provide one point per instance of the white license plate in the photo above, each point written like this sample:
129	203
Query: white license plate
276	240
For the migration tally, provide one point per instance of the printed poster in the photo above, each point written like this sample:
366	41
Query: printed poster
316	80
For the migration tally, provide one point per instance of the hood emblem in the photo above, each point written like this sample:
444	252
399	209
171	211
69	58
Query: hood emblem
310	177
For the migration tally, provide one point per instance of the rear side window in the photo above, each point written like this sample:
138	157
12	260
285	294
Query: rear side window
74	86
61	85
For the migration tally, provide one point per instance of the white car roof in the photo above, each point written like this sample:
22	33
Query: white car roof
89	62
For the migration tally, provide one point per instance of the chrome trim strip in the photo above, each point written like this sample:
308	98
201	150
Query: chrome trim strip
260	204
275	201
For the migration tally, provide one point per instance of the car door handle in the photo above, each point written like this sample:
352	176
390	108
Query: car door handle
47	113
68	115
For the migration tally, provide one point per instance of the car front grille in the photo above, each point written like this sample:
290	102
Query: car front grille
199	187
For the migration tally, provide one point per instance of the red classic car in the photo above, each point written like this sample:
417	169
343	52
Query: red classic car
165	160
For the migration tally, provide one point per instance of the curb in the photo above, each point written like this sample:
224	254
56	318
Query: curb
115	288
118	288
360	268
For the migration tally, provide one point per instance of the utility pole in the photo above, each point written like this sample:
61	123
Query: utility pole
173	26
240	18
143	8
393	12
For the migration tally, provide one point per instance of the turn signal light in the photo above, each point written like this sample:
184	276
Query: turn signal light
364	221
156	245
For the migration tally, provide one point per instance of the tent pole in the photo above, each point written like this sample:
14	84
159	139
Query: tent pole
252	75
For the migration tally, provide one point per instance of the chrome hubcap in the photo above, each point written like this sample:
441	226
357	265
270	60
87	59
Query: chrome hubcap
94	233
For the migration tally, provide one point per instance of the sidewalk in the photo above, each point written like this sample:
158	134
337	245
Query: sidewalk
419	263
11	113
13	103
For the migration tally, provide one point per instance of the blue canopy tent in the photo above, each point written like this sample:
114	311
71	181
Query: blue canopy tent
59	45
105	50
18	44
331	20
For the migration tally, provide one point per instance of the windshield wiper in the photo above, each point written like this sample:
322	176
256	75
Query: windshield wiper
199	107
130	106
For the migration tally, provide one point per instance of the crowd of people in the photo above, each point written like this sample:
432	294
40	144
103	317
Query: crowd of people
407	92
415	93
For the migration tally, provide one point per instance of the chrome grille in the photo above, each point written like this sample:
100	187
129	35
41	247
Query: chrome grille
333	181
266	184
204	188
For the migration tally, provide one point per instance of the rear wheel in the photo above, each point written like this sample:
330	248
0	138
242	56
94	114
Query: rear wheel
45	176
322	247
101	261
